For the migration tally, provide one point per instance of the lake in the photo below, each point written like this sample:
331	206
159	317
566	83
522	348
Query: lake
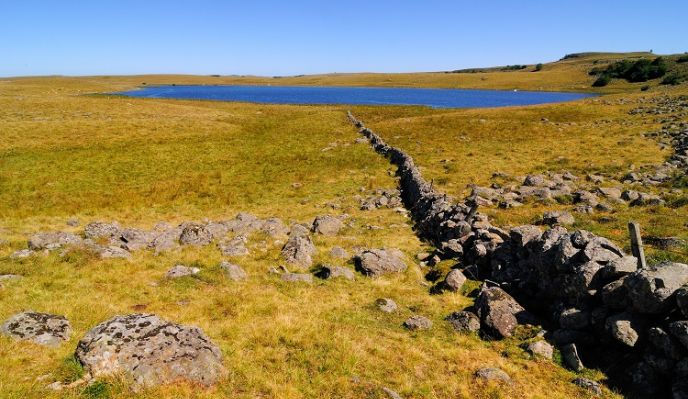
435	98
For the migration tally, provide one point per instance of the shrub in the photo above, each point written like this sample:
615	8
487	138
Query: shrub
645	88
672	79
602	81
682	59
538	67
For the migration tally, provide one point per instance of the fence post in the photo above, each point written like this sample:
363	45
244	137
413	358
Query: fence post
637	244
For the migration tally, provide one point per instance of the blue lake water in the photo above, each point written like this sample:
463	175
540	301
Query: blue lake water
435	98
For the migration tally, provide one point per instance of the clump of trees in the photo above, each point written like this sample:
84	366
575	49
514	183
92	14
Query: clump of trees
514	67
538	67
632	71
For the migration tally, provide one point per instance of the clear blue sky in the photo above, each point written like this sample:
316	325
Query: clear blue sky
305	36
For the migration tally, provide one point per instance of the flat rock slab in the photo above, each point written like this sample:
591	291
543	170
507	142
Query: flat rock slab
233	272
151	351
297	277
41	328
181	271
376	262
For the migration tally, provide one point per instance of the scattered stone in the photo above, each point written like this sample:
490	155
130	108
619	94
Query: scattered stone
329	272
233	272
53	240
376	262
569	354
274	227
327	225
590	385
464	321
391	394
113	252
418	323
297	277
195	234
151	351
234	247
540	349
179	271
298	250
386	305
21	254
454	280
339	253
41	328
96	230
492	374
558	218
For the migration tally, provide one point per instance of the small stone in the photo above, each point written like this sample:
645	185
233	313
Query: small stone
72	222
540	349
233	272
179	271
418	323
386	305
391	394
21	254
329	272
492	374
297	277
590	385
339	253
561	218
464	321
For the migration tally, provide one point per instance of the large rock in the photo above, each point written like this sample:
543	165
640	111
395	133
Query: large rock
41	328
499	313
151	351
299	250
52	240
679	329
195	234
376	262
327	225
651	289
558	218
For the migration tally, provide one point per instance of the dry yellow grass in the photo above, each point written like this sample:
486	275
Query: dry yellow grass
65	154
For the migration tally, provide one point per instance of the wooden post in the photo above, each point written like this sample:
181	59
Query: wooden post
637	244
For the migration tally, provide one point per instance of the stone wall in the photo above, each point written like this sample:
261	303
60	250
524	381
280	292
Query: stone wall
588	294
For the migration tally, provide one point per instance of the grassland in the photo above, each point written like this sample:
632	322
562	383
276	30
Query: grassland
65	153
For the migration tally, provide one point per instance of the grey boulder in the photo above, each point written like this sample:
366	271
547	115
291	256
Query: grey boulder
41	328
376	262
150	351
499	313
327	225
232	271
651	289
